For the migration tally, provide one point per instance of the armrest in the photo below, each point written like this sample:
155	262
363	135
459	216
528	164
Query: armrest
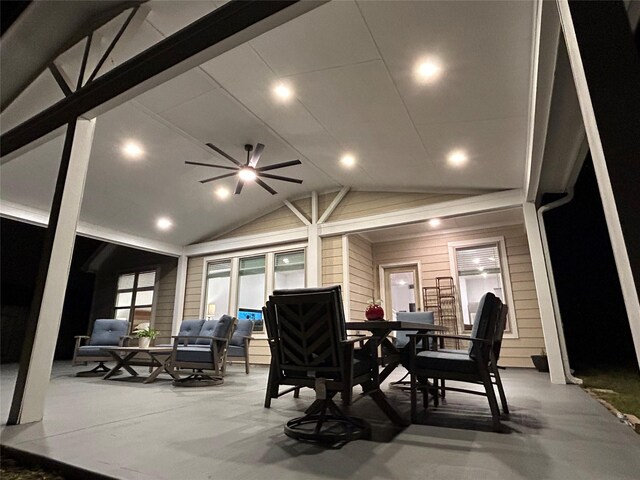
351	341
459	337
81	336
124	340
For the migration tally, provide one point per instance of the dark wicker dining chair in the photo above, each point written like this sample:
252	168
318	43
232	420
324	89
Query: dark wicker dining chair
306	332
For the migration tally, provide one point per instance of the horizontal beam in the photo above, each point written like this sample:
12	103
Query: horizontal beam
246	242
22	213
463	206
231	25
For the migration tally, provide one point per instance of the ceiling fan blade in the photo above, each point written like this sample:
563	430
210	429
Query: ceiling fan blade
218	177
279	165
209	165
255	155
225	155
278	177
265	186
239	187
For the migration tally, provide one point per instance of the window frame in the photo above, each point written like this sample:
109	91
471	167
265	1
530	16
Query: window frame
137	272
234	281
512	331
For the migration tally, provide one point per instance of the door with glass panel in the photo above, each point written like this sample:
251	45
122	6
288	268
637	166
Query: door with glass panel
134	297
400	290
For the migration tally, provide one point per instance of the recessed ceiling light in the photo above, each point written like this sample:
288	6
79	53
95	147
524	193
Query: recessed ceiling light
223	193
132	150
427	70
434	222
247	174
164	223
283	91
457	158
348	160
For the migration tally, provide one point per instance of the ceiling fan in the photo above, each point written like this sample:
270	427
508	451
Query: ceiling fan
248	171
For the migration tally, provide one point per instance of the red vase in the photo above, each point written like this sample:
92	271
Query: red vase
374	312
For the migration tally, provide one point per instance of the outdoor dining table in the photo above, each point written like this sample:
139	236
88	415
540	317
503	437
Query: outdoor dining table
126	357
380	330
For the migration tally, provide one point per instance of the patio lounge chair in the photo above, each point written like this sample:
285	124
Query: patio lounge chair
472	366
203	351
106	333
239	344
306	331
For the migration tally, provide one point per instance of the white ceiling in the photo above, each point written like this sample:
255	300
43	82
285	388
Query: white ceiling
350	64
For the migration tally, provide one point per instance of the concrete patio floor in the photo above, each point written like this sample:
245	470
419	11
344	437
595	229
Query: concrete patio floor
125	429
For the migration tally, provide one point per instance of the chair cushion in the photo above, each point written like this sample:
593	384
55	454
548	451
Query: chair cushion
223	327
190	328
107	332
244	328
446	361
402	340
196	354
92	351
235	351
207	330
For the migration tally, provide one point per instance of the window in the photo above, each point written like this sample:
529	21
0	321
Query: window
238	285
479	266
134	297
289	270
218	288
251	286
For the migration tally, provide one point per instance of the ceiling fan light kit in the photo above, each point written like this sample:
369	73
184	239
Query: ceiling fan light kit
248	171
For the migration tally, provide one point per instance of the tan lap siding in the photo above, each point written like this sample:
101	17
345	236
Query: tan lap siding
361	284
193	287
164	302
332	261
433	254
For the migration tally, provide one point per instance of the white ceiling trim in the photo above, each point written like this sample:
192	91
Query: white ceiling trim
248	241
23	213
474	204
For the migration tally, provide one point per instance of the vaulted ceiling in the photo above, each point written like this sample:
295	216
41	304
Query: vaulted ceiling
350	66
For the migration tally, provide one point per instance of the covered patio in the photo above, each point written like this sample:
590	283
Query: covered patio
124	429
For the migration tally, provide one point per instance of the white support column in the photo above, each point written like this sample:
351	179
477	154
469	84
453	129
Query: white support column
31	407
543	291
178	302
346	280
314	257
314	207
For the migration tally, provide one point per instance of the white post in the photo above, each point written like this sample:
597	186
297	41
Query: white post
178	302
314	257
29	402
543	291
616	235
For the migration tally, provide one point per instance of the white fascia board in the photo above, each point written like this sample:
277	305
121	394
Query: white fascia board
543	65
474	204
248	241
23	213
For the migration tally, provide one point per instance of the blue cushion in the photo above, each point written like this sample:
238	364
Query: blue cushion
190	328
223	327
446	361
244	328
235	351
196	354
92	351
107	332
402	340
207	330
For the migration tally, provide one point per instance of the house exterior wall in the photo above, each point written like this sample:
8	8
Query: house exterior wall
433	254
125	260
361	277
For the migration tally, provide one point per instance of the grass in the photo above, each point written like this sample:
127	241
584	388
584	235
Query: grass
625	386
11	469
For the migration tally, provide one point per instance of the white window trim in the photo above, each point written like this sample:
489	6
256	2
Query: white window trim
156	290
234	257
506	278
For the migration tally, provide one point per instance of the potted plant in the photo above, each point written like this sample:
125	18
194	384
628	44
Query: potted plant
145	334
541	362
374	310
